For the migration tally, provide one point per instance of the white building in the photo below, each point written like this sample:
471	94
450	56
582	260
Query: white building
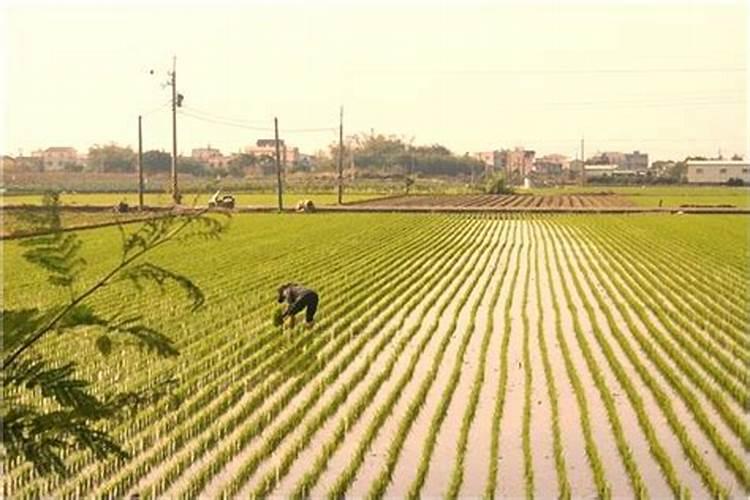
717	171
600	170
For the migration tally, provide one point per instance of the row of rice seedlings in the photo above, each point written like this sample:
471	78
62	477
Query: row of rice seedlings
688	307
308	357
271	480
240	416
236	393
737	424
592	453
136	359
680	264
701	418
657	451
228	280
706	351
528	464
661	398
218	393
563	484
447	395
379	485
457	476
626	455
310	477
705	297
190	410
247	471
711	251
710	245
267	483
345	478
497	414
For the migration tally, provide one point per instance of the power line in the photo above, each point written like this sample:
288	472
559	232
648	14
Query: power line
593	71
156	109
215	116
223	122
230	123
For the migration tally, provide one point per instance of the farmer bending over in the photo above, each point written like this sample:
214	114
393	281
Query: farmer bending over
297	298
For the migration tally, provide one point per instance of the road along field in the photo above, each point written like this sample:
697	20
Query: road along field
188	199
498	355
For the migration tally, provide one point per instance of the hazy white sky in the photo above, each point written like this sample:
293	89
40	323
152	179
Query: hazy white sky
669	78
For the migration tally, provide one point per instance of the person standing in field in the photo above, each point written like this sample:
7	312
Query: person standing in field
298	298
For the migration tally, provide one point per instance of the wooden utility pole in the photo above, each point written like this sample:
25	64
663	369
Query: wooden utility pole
341	154
278	163
175	193
583	164
140	165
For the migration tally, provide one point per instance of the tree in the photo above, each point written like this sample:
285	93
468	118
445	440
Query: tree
157	161
390	155
192	166
111	158
47	411
497	185
239	164
676	173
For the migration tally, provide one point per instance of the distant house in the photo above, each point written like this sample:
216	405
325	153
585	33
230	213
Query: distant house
8	164
267	147
635	161
517	162
552	164
211	157
492	161
717	171
56	158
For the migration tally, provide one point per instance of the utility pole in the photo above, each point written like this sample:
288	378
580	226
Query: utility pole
341	152
278	163
583	165
140	165
175	193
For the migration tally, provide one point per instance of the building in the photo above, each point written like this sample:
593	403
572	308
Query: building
267	147
517	163
626	161
211	157
552	164
601	170
717	171
56	158
492	161
635	161
205	154
8	164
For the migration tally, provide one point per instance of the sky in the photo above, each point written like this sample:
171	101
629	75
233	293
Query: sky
668	78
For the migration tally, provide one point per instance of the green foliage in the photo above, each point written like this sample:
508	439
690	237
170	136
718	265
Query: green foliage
278	317
496	185
390	155
48	411
111	158
156	161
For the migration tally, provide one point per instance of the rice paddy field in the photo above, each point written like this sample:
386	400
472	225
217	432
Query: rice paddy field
502	355
644	196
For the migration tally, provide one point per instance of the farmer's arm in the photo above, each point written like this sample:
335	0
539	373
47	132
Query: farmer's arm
291	299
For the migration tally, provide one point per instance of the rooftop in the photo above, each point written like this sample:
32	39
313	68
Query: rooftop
718	163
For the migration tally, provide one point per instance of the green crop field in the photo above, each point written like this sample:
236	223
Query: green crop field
485	355
164	199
